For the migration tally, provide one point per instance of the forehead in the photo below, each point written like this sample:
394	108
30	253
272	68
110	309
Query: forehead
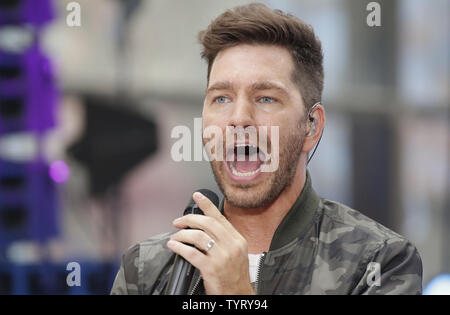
246	64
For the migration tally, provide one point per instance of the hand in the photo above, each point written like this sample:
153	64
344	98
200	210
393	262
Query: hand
224	267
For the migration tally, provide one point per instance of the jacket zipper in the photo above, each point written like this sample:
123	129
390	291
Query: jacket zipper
196	285
258	271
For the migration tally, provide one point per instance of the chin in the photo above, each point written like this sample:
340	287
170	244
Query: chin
248	195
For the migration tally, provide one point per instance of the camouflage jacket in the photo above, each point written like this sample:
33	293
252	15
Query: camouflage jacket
320	247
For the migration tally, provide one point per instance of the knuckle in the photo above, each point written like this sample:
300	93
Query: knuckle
244	243
244	248
237	252
199	236
209	221
190	254
176	235
242	240
227	257
241	245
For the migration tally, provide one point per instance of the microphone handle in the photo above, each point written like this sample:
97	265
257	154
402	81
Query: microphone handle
182	273
181	277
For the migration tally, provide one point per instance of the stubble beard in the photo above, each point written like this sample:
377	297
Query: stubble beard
266	191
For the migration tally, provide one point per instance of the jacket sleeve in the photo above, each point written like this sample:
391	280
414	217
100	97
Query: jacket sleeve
126	281
395	268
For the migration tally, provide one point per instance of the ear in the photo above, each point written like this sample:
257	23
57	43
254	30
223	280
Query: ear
315	123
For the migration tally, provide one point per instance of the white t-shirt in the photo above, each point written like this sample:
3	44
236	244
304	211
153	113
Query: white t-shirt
253	260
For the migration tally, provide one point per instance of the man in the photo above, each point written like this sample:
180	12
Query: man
272	234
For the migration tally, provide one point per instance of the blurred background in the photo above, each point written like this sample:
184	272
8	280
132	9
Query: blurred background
88	103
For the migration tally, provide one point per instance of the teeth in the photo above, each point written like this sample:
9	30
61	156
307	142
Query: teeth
235	172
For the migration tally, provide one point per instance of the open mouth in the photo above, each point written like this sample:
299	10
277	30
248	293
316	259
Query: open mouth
244	161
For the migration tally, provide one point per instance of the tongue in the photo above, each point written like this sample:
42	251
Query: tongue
247	166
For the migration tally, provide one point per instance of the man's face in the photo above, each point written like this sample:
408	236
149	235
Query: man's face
251	86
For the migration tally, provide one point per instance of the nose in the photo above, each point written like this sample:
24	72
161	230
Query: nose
242	113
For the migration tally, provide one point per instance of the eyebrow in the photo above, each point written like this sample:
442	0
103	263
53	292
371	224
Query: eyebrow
268	85
225	85
258	86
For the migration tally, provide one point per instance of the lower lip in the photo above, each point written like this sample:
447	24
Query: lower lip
241	179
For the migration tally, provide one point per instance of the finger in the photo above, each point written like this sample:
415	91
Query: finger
209	209
209	225
191	254
206	205
197	238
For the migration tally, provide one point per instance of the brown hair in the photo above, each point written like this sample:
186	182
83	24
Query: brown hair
255	23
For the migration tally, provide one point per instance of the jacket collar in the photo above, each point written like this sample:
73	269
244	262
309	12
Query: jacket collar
298	218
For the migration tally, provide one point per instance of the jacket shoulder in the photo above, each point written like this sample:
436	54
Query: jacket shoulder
367	244
147	249
340	216
141	265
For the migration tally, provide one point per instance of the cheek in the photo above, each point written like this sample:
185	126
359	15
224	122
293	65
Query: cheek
288	128
210	119
214	120
276	126
212	130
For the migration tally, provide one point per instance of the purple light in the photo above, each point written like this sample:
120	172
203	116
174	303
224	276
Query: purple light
59	171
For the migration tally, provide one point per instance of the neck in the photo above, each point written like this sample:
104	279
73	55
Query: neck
258	225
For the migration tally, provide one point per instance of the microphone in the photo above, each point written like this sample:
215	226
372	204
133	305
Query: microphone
181	276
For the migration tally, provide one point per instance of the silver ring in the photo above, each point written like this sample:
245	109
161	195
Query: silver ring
210	244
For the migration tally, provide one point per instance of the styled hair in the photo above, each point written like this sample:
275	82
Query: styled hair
257	24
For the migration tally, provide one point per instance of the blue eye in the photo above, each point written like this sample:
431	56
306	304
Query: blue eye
266	99
222	99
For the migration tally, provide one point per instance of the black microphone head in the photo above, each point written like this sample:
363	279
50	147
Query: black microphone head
192	206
